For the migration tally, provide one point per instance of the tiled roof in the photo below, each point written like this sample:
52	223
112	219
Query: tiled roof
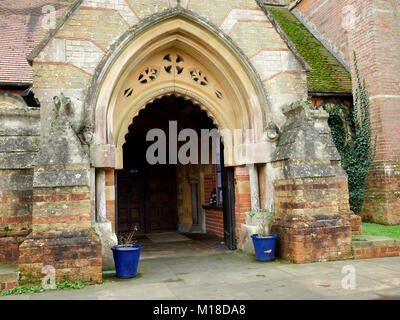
327	74
20	30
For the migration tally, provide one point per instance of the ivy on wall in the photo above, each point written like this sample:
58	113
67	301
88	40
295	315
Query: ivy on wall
351	133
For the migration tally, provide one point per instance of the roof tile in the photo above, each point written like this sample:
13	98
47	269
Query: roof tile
20	30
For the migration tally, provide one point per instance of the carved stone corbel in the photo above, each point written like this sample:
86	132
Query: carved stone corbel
272	131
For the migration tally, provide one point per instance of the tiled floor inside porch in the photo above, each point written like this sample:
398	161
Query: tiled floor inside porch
175	244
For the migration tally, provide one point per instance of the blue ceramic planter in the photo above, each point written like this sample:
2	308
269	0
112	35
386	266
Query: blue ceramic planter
126	258
264	247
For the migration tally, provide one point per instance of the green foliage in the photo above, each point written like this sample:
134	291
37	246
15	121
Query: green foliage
22	290
373	229
7	229
65	285
356	151
355	238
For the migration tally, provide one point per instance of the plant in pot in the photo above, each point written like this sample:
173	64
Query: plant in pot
264	242
127	255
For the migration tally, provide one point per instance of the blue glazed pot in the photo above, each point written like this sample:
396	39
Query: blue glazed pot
126	258
264	247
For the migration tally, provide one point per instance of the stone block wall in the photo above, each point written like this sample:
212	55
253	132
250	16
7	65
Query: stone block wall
15	199
242	200
19	143
95	25
110	197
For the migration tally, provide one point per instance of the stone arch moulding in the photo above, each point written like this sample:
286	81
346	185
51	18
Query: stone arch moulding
178	52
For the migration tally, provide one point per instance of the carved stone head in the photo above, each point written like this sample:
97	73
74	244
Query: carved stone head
87	133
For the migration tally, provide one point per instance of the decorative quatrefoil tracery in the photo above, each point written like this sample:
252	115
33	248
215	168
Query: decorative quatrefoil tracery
199	77
173	63
148	75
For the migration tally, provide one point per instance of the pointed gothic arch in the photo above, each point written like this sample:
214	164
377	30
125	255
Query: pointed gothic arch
176	52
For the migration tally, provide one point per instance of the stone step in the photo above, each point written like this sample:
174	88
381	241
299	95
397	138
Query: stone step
196	229
365	247
8	276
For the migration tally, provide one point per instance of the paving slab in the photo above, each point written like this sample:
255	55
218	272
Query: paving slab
234	275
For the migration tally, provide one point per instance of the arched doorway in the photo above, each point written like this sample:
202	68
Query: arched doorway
165	197
179	54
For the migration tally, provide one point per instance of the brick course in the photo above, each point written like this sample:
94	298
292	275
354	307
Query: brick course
375	247
9	246
74	254
215	221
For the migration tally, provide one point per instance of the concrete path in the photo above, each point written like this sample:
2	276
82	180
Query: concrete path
234	275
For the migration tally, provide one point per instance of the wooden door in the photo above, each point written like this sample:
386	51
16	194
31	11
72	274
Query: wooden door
131	195
147	198
161	202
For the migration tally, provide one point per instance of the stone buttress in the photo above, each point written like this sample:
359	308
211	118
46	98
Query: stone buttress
313	219
62	234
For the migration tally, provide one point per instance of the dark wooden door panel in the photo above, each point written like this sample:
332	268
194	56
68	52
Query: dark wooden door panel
130	200
147	198
161	207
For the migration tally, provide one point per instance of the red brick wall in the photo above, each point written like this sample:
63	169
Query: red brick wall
376	249
215	222
381	252
214	217
375	38
8	285
9	246
74	254
312	218
210	182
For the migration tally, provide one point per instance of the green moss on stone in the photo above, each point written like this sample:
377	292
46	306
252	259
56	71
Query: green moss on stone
327	73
